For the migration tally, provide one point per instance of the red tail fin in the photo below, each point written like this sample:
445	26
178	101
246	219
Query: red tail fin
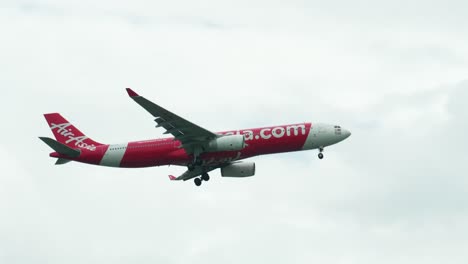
67	134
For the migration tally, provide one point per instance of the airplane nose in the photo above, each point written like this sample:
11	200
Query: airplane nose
345	133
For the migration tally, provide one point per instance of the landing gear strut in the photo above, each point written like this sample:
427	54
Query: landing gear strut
320	155
190	167
196	162
204	177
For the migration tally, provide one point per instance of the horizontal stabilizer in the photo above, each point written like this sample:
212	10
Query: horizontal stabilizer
61	161
61	148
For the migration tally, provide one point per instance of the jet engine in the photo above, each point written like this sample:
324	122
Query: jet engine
239	169
226	143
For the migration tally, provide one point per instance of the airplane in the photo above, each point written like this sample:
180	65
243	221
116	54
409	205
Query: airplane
197	148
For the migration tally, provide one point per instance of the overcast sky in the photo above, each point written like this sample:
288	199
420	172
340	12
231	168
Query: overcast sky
394	73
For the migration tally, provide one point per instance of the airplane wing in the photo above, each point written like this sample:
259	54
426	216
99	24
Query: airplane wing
188	133
187	175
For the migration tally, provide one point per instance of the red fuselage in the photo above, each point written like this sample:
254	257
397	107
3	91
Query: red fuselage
167	151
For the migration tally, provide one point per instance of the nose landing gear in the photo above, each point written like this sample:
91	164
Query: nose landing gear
204	177
320	155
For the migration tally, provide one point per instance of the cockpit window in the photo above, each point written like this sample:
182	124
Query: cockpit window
337	130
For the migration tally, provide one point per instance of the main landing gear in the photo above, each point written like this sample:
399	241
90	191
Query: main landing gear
204	177
320	155
196	162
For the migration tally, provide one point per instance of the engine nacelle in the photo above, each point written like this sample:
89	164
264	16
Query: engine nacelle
239	169
226	143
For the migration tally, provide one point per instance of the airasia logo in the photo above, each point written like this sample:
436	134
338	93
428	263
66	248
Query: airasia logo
275	132
67	133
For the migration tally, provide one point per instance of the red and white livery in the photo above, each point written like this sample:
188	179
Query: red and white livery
197	148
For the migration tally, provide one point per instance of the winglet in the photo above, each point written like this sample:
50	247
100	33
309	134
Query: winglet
172	177
131	93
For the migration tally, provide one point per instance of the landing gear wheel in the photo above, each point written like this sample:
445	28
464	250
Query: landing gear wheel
320	155
197	181
205	177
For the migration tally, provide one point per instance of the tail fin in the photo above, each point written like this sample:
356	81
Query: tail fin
67	134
